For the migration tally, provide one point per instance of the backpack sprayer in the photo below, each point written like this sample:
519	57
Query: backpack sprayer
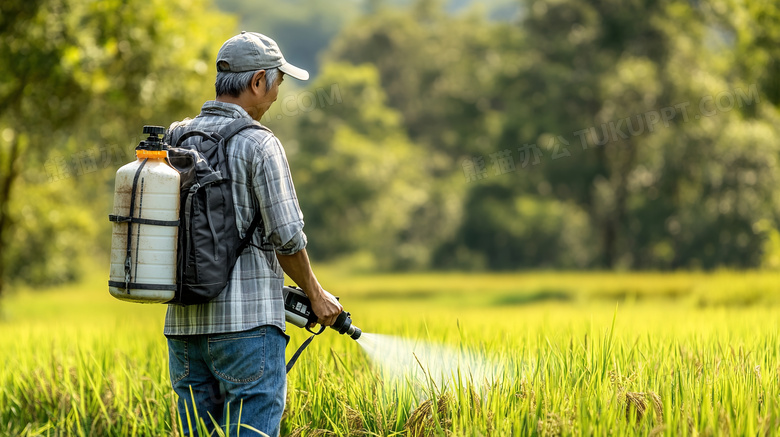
157	228
297	311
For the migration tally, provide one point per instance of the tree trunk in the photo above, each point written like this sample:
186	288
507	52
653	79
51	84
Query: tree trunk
7	178
608	243
623	164
605	223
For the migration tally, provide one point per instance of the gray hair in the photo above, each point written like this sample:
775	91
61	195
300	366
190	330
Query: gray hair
234	84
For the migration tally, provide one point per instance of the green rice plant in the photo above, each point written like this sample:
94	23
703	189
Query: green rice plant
624	354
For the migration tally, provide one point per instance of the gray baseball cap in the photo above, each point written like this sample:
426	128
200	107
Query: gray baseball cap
250	51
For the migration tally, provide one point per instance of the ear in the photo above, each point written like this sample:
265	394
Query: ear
258	82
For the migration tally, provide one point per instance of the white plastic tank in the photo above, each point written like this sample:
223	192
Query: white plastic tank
152	259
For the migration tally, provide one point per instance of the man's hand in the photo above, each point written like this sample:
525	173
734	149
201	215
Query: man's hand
326	307
298	268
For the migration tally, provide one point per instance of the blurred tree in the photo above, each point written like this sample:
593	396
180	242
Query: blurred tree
363	186
666	184
623	82
748	34
591	64
644	160
531	231
437	71
448	76
610	92
716	172
79	77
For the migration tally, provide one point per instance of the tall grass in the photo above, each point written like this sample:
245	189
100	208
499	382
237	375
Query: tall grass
672	359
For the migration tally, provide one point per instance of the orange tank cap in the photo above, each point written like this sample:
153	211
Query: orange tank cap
143	154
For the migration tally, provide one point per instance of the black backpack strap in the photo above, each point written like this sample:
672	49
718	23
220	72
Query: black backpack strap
237	126
249	233
226	133
176	142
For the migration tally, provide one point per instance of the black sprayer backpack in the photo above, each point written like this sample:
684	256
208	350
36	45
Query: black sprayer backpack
209	242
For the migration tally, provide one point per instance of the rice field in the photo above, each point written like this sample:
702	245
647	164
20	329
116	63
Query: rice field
567	354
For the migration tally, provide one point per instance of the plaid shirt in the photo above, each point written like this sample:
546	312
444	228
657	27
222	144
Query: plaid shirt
261	183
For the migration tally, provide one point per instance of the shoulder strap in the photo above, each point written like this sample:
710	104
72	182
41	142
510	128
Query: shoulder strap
189	134
236	126
226	133
250	232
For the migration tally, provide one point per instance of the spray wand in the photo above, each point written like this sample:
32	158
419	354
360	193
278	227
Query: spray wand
298	311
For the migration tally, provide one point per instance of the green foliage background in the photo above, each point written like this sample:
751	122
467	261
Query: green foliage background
415	92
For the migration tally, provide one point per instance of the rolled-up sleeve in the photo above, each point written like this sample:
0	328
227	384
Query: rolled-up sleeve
296	243
275	192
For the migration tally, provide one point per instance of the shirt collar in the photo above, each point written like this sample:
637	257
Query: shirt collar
223	109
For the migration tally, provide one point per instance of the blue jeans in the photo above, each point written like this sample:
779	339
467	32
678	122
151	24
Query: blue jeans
237	371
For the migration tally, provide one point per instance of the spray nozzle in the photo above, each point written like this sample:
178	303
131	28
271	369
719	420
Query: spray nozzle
297	309
343	325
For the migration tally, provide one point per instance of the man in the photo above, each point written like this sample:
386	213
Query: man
228	354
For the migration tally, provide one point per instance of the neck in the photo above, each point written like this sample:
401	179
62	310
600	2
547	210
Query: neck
255	112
